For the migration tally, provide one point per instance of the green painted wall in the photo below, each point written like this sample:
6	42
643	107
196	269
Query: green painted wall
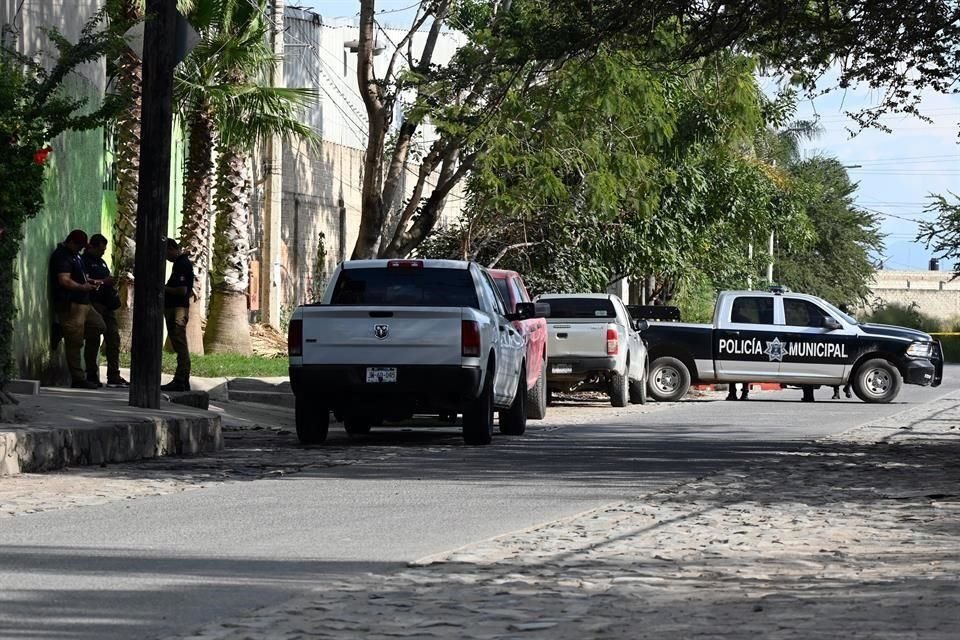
73	194
75	198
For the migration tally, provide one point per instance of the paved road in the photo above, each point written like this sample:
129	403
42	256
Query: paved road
155	566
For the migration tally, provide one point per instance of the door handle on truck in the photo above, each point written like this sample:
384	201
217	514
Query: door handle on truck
561	335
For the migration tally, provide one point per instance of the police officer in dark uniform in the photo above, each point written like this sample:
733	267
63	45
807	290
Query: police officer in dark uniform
105	301
176	312
70	289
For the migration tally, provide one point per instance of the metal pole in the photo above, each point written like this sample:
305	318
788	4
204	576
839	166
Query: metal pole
270	265
750	259
770	263
153	201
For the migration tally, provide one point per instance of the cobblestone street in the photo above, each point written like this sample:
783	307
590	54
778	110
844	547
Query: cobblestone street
856	536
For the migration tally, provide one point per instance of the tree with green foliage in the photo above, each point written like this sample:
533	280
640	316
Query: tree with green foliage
34	110
227	81
126	71
902	48
608	169
838	264
943	234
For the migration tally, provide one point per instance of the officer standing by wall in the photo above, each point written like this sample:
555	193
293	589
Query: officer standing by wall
71	289
176	311
105	301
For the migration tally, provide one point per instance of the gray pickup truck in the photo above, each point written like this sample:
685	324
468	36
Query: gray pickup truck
594	344
793	339
394	338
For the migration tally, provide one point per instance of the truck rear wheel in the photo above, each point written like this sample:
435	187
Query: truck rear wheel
638	389
313	420
513	421
537	397
620	388
478	418
878	381
669	379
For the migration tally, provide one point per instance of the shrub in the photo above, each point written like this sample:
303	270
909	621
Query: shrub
903	316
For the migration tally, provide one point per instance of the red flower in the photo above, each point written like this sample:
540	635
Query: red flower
40	157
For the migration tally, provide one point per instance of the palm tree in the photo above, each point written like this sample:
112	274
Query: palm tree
195	78
244	112
127	76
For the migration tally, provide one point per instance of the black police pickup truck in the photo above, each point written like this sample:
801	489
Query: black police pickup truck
790	338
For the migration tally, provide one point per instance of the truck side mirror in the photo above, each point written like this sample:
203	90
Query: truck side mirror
640	325
523	311
830	324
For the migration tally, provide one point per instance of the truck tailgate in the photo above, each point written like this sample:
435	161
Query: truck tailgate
577	338
382	335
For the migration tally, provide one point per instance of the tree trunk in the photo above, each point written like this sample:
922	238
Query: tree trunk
195	230
228	327
127	155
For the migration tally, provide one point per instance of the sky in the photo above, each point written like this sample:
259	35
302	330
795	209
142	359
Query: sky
896	172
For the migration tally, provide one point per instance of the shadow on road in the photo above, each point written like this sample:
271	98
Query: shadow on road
188	591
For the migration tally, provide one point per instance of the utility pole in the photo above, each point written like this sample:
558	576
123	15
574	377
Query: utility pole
273	193
770	263
153	201
750	259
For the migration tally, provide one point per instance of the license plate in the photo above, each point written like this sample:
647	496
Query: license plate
562	368
376	375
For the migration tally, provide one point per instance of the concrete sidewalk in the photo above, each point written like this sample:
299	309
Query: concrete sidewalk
65	427
854	536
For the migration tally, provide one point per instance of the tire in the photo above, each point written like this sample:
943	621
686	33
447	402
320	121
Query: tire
356	426
638	389
668	380
313	420
478	418
537	397
513	421
620	388
877	381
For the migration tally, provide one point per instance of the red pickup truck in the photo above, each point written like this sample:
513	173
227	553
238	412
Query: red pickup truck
534	330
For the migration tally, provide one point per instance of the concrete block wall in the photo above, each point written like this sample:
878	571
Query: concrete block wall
935	293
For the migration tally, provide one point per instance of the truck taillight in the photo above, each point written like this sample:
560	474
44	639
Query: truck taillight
470	339
295	338
613	342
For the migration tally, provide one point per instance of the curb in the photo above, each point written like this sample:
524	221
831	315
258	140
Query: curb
25	450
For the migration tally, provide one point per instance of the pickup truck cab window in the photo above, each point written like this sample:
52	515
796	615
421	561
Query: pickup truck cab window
581	308
405	287
503	286
489	290
519	292
802	313
752	310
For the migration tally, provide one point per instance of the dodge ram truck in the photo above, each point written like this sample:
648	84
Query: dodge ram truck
793	339
394	338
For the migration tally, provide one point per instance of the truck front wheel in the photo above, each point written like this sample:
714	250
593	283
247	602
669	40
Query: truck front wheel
313	420
669	379
877	381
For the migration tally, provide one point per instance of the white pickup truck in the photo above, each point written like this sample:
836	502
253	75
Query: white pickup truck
394	338
593	343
